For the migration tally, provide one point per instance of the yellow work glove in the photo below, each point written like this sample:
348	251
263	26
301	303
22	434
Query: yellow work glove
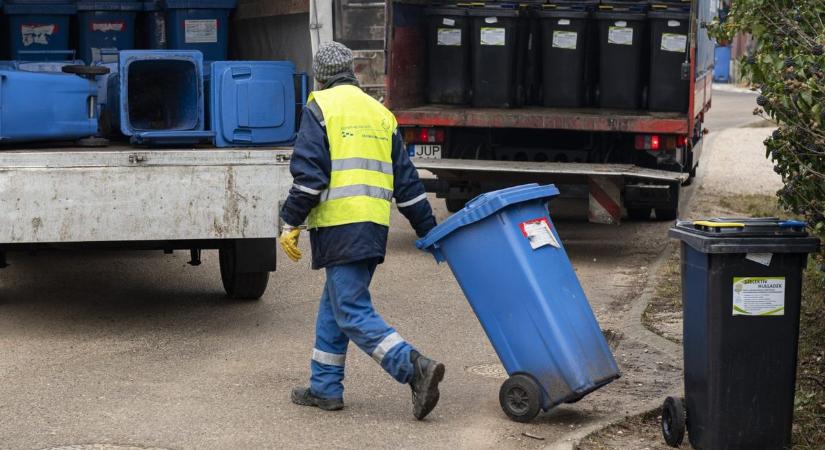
289	242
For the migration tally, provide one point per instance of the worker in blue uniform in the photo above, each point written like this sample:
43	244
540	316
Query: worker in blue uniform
348	165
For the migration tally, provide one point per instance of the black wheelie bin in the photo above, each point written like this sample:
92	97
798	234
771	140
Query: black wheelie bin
623	43
668	89
448	60
741	289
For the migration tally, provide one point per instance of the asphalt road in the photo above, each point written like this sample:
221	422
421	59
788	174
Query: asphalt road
139	349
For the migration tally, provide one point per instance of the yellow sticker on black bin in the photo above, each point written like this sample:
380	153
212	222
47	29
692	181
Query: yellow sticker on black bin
759	296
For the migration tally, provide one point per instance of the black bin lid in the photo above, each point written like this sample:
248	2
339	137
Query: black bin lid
745	235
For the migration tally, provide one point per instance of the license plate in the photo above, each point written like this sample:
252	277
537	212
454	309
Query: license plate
426	151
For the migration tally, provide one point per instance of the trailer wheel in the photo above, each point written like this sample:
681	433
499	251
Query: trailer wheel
240	285
520	398
674	421
639	214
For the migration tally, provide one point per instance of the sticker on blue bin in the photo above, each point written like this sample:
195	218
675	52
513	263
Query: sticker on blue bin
200	31
37	34
538	233
759	296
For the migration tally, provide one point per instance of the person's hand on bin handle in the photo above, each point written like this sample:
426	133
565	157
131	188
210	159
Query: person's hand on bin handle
289	242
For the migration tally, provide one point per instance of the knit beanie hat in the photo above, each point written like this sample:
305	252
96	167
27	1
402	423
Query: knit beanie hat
332	59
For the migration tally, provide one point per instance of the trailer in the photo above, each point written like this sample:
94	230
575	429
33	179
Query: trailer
124	198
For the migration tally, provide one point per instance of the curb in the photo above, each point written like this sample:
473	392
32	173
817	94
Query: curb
723	87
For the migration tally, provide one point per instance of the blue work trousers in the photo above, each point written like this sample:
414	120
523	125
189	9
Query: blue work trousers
346	314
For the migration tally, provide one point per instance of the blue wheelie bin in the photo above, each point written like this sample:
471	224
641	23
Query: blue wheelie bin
46	107
508	259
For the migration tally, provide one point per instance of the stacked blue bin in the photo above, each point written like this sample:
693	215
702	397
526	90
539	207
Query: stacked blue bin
508	259
106	25
38	30
199	25
154	25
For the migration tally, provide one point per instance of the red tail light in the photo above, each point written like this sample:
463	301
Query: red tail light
648	142
424	135
681	141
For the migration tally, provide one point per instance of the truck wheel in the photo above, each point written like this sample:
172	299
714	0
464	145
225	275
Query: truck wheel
454	205
520	398
671	210
674	421
241	286
639	214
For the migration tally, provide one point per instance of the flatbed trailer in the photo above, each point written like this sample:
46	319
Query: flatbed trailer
128	198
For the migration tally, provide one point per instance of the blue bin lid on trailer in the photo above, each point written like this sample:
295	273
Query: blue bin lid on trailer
252	102
200	4
483	206
60	9
92	5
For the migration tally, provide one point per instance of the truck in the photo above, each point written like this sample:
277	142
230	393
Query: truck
227	200
625	162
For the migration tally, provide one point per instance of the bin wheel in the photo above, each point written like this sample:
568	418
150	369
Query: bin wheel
520	398
639	214
79	69
240	285
674	421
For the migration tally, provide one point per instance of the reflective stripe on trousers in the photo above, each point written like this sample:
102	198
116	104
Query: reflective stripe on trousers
346	313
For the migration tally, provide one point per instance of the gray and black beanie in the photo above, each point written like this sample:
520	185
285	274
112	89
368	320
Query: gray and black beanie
332	59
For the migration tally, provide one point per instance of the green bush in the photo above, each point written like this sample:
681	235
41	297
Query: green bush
787	66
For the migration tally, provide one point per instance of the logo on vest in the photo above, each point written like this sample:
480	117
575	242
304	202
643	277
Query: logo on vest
345	134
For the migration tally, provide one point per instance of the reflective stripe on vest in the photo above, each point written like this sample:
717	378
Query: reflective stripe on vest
360	131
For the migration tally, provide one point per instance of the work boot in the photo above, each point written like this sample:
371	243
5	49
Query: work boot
426	376
304	397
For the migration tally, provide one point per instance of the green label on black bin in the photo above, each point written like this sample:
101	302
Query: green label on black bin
759	296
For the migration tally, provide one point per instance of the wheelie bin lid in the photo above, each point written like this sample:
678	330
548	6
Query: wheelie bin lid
94	5
562	14
483	206
493	12
619	15
200	4
46	10
668	14
745	235
445	10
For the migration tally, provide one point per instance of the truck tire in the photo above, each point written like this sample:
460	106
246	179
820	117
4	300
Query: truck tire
639	214
671	210
238	285
455	205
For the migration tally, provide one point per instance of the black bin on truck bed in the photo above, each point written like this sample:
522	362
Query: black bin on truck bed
668	91
564	44
448	62
496	42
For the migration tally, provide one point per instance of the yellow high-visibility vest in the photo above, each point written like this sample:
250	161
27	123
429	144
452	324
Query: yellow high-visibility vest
359	130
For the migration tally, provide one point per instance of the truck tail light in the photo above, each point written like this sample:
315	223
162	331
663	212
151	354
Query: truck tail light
681	141
648	142
428	135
